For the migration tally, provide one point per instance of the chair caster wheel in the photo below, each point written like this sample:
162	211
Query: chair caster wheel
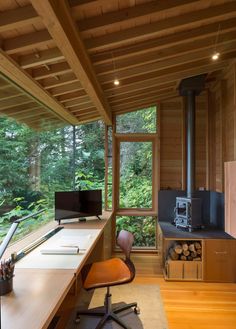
137	310
77	320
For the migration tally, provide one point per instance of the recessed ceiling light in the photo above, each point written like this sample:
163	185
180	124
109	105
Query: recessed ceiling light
116	82
215	56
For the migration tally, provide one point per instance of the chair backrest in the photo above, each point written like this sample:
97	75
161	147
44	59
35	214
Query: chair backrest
125	241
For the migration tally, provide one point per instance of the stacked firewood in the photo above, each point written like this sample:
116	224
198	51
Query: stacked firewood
182	250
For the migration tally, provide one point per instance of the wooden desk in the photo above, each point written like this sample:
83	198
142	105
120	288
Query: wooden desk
38	293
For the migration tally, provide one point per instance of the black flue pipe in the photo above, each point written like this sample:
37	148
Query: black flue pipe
190	142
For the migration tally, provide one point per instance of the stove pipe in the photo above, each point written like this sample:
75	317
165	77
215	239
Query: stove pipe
190	142
190	88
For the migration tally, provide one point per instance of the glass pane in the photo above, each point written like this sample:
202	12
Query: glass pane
143	228
109	169
135	175
142	121
35	164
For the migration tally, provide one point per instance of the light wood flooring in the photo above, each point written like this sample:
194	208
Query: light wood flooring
188	305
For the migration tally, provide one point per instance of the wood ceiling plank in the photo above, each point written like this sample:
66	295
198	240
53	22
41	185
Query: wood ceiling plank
152	99
144	90
68	88
165	42
11	69
144	104
85	106
8	93
130	13
74	95
135	97
168	63
16	18
21	108
27	42
208	64
91	110
166	78
38	113
59	80
56	16
40	57
50	70
225	40
77	101
185	21
88	119
6	103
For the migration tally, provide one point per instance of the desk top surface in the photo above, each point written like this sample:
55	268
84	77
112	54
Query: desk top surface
85	238
38	290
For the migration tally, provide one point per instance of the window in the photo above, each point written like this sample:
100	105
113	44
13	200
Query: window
35	164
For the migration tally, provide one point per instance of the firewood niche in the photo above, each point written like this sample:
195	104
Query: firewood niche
185	250
183	260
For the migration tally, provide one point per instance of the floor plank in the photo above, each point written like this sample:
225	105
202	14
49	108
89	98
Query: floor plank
188	305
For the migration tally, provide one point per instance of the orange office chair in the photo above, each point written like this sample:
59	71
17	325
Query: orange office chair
107	273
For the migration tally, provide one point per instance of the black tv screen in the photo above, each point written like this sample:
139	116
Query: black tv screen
76	204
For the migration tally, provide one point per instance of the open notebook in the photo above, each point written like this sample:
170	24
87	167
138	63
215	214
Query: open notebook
68	245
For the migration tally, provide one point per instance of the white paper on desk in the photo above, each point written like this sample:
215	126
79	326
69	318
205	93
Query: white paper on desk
80	242
59	251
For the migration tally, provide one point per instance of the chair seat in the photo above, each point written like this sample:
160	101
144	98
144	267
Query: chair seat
107	273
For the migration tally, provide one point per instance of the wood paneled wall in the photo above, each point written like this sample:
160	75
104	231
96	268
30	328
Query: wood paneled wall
222	127
215	135
173	142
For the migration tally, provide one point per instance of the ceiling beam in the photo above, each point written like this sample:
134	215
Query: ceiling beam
167	63
172	24
117	17
50	70
47	56
56	16
59	80
160	43
26	42
208	64
16	74
68	88
225	40
16	18
164	77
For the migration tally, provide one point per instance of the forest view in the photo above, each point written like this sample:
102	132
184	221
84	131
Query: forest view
36	164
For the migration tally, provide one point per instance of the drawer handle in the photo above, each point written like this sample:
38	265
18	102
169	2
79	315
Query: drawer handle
220	252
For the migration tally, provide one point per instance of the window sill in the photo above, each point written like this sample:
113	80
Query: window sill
28	239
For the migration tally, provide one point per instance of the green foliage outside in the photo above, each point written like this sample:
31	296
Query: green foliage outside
33	165
143	228
142	121
51	152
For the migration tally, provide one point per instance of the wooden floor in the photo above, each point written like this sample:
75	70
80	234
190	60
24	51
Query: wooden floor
188	305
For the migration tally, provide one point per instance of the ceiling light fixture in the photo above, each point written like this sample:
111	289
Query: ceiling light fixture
216	54
116	80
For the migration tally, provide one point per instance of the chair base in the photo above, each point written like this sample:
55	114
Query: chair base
108	313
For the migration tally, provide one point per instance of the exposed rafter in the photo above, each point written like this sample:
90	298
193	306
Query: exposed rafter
56	17
9	68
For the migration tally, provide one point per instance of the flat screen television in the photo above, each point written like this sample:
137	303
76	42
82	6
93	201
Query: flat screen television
78	204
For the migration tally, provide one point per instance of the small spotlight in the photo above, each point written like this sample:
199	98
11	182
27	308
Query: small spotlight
215	56
116	82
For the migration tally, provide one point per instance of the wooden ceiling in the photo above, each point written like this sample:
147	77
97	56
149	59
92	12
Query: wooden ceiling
59	58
